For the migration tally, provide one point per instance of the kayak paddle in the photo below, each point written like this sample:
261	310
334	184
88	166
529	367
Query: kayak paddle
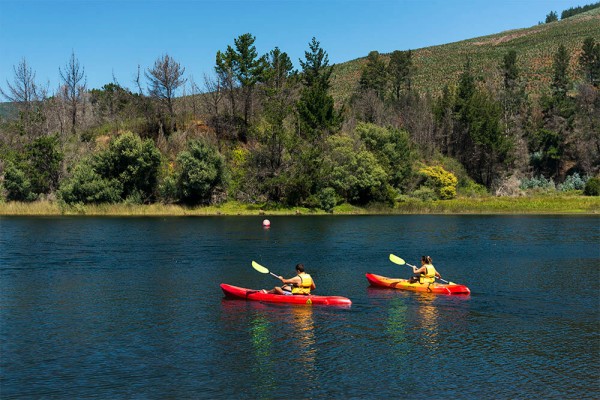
262	269
399	261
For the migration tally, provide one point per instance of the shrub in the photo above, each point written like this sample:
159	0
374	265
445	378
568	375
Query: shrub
200	170
441	181
43	163
87	186
353	172
592	187
131	161
572	182
18	187
167	189
537	183
470	188
425	193
392	149
327	199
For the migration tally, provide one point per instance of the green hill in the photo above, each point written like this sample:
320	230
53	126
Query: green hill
437	66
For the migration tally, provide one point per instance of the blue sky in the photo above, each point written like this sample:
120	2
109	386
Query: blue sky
112	37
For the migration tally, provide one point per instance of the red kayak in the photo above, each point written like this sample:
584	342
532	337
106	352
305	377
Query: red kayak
403	284
236	292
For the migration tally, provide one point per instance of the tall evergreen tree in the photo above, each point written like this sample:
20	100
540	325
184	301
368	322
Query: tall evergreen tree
510	71
374	75
400	71
560	73
273	133
590	61
443	113
515	107
550	143
241	67
551	17
460	142
479	142
317	119
315	107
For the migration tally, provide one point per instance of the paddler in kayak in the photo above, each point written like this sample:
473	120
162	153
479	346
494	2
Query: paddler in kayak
426	274
302	283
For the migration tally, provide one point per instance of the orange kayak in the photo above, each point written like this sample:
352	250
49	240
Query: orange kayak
236	292
403	284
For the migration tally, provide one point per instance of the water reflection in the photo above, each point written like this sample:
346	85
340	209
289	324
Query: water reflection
262	344
396	327
427	321
303	331
281	338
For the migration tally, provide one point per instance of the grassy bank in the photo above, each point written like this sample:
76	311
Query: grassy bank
554	204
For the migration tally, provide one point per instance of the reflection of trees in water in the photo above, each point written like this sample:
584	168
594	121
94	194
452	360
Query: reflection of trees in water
262	344
298	323
396	327
414	326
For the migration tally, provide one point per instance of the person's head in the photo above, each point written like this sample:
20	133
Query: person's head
299	268
426	260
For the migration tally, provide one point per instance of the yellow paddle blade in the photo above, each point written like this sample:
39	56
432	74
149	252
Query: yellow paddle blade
259	268
397	260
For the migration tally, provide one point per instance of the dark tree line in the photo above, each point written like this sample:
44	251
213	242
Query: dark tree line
261	131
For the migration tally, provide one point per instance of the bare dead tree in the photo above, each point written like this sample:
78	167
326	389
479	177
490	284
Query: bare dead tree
26	94
213	104
165	78
194	92
74	82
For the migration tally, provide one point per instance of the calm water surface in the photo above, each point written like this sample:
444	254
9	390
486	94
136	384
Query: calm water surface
131	308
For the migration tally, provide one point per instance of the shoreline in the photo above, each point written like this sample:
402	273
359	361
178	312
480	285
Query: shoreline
543	205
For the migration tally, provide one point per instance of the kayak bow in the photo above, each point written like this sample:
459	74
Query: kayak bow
235	292
403	284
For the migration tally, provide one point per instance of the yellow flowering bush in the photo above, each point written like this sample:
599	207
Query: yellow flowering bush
442	181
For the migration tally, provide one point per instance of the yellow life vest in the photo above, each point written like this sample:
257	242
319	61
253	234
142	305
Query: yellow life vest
429	275
304	286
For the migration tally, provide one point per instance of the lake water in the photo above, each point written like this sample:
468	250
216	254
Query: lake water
113	308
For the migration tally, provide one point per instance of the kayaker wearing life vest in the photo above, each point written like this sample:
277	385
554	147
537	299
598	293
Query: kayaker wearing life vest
427	273
299	284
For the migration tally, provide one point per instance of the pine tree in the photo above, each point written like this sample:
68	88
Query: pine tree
560	76
590	61
374	75
241	67
400	70
316	106
510	70
317	119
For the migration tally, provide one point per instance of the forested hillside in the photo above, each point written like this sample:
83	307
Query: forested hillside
501	114
437	66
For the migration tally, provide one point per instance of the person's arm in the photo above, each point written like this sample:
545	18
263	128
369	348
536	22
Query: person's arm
294	280
421	270
437	275
313	286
